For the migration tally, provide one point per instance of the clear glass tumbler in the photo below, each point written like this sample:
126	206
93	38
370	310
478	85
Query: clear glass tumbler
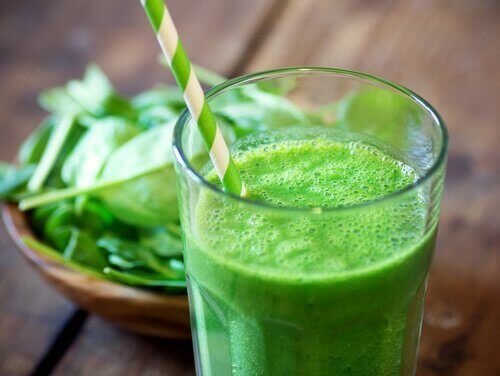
252	316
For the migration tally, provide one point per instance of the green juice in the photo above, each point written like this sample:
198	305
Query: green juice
313	288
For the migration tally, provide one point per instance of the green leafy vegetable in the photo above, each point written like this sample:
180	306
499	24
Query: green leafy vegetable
98	180
132	182
13	178
380	113
48	159
97	96
56	255
83	166
146	280
147	201
160	96
82	248
249	109
94	94
32	149
162	242
158	106
58	101
128	254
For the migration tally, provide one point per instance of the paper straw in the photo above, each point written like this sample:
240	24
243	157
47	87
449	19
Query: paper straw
176	56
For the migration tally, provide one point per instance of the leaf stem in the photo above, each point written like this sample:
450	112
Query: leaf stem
67	193
142	281
56	142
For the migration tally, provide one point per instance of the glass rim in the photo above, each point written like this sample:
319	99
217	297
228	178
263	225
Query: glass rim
185	117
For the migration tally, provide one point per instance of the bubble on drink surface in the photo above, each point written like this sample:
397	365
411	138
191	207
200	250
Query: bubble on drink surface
321	170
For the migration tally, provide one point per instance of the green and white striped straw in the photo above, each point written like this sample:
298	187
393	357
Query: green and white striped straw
194	97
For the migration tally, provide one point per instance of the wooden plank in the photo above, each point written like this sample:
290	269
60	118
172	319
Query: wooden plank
31	313
105	350
448	52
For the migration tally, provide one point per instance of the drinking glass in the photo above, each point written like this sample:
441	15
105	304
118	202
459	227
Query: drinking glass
274	320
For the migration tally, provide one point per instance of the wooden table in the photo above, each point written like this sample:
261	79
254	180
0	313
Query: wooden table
445	50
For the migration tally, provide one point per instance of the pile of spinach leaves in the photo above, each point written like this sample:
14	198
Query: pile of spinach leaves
97	176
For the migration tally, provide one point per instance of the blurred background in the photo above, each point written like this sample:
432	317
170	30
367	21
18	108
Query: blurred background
445	50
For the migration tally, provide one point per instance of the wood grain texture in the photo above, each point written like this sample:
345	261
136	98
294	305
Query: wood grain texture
30	312
105	350
447	51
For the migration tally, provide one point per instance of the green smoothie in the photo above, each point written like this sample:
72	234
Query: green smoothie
308	280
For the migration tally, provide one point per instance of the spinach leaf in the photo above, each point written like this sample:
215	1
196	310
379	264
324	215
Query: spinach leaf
133	182
55	255
145	280
281	87
381	113
159	96
58	101
85	162
32	149
39	216
95	218
73	229
82	249
57	226
157	116
53	150
96	95
177	265
158	106
150	200
249	109
161	241
12	179
126	249
120	262
54	196
127	254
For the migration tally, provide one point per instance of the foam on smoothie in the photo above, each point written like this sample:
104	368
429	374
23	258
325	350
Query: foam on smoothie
304	169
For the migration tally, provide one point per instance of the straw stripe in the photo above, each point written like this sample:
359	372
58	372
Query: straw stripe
167	36
183	72
196	101
207	122
154	10
181	68
220	153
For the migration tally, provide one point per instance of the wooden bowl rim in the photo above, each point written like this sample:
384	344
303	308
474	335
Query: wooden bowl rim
18	227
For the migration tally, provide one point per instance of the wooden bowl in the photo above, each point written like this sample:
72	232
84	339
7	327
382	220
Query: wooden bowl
131	308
